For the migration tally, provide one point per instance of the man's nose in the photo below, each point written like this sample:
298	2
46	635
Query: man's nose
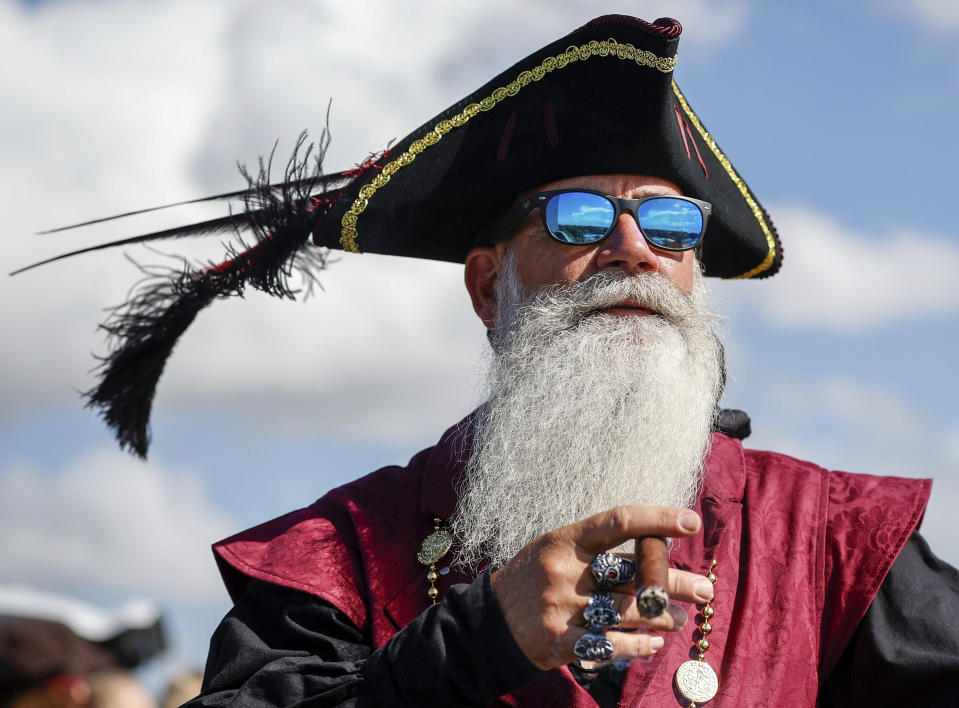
626	248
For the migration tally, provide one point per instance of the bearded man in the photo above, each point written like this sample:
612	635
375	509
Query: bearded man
599	428
604	382
587	201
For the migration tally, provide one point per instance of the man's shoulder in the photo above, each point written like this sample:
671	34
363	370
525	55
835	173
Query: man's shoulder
735	470
292	549
388	486
786	482
849	527
841	486
758	461
858	512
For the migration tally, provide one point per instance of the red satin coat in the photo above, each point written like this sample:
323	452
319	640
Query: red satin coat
801	551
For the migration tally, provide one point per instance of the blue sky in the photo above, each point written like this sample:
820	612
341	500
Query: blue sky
840	116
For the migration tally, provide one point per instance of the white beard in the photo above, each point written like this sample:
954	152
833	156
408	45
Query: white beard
587	411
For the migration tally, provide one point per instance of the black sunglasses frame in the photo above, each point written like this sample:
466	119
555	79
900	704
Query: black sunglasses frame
505	225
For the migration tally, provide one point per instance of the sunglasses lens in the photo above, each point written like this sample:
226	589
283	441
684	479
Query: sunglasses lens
579	217
671	223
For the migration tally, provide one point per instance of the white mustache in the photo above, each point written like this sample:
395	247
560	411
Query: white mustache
568	305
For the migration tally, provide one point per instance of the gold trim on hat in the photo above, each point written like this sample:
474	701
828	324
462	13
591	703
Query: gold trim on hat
610	47
740	185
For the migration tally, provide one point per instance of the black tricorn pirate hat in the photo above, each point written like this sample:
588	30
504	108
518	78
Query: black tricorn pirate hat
600	100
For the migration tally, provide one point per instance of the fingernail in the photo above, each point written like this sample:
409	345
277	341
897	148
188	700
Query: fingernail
656	643
689	521
703	590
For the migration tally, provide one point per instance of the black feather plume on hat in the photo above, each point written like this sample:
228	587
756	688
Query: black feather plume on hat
145	329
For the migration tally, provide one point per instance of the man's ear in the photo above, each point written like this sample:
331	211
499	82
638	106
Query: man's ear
482	272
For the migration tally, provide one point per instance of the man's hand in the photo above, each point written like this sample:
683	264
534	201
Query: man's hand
545	588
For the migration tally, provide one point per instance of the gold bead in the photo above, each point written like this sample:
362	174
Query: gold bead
432	576
708	612
706	628
701	657
711	577
432	592
702	644
714	564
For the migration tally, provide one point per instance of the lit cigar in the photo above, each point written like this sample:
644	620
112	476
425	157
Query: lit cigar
652	566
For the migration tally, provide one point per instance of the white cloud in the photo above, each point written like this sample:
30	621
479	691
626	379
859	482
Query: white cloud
874	410
386	333
952	445
383	333
834	277
105	520
860	409
119	105
939	17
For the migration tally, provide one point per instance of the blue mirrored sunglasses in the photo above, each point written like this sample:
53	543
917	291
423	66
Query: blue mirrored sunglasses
583	216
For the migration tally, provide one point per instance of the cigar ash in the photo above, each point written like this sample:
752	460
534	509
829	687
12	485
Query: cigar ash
652	601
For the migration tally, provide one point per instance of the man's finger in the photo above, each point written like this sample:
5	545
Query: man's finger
674	618
623	523
632	645
689	587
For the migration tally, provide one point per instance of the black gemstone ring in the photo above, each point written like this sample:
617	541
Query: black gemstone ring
610	570
593	647
600	613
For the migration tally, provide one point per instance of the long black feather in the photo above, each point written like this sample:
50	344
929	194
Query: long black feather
219	226
311	184
147	327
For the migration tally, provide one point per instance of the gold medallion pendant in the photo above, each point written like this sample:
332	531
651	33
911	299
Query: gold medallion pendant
697	681
435	546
